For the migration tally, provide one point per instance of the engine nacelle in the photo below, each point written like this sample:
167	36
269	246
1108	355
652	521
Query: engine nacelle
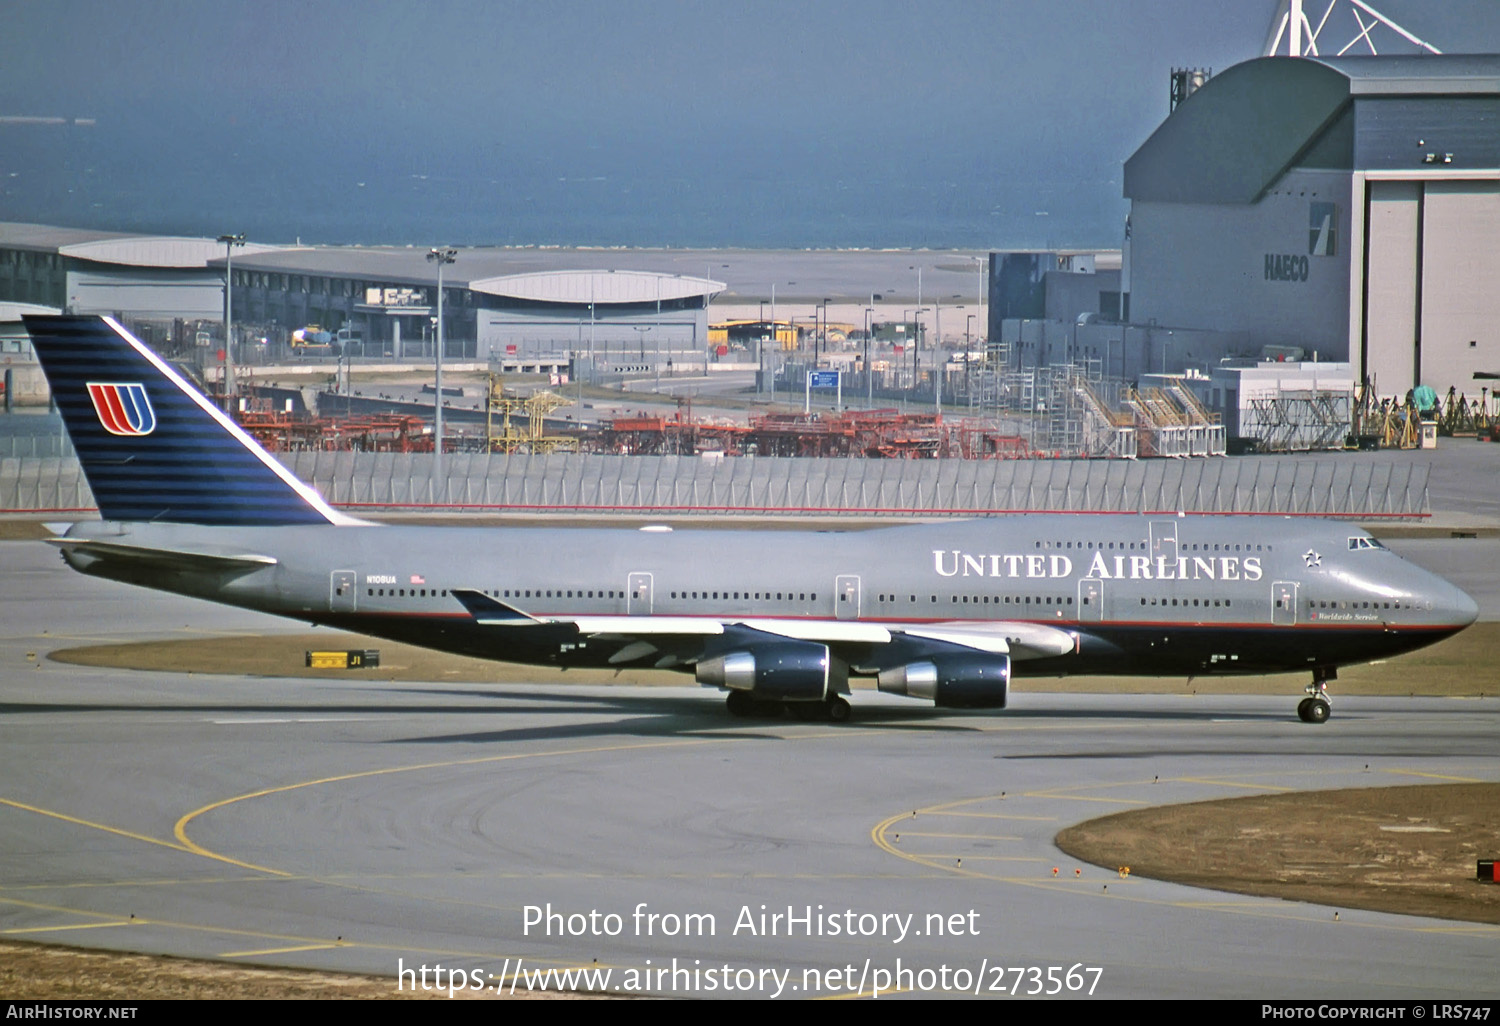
790	671
953	681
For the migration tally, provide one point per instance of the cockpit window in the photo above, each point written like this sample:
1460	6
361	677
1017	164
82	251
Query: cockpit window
1364	543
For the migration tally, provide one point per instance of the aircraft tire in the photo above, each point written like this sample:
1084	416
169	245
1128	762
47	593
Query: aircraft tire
838	709
1318	711
1302	709
740	704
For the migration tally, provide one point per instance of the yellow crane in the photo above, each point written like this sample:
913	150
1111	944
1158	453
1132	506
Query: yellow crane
535	408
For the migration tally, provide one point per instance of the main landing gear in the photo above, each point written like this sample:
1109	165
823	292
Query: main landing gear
742	703
1317	707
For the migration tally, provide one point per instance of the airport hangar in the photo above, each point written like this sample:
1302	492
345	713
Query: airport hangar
522	306
1349	207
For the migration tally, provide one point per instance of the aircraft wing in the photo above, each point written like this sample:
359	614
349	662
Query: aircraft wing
1021	639
83	552
644	635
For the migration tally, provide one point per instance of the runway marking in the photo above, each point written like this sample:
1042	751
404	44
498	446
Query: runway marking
1434	776
1271	908
1050	796
92	825
951	857
969	837
289	939
1215	782
180	829
1475	928
74	926
278	951
991	815
212	881
376	717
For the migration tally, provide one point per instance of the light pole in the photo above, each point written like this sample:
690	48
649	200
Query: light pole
823	335
968	356
869	380
440	257
913	342
230	241
916	347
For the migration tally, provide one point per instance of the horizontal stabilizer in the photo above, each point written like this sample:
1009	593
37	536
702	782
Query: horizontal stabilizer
171	560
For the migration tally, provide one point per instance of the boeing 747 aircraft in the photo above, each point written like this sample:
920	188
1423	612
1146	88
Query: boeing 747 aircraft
944	612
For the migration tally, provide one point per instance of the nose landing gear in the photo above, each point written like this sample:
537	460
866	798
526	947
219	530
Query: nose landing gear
1317	707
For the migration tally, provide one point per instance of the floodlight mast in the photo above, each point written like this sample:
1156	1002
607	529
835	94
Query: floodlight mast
229	241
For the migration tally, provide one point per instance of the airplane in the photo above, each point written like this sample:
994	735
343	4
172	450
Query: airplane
780	620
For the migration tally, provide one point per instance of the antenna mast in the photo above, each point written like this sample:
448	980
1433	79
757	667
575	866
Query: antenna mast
1291	25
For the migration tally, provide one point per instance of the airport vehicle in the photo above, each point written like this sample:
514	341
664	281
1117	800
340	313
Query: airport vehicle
780	619
314	341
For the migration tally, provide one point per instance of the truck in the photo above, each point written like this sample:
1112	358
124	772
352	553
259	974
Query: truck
314	341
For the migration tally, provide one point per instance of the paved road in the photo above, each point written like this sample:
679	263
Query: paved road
355	825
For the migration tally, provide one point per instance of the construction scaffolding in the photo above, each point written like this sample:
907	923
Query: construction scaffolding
1205	431
1159	425
1298	421
287	432
1107	432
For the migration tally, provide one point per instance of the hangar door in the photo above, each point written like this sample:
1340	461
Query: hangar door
1460	272
1432	308
1390	333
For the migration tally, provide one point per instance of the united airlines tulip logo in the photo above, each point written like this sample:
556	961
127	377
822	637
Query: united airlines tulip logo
123	409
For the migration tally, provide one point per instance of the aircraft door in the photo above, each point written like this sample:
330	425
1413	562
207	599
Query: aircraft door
846	596
638	594
1164	539
1091	600
1284	603
341	591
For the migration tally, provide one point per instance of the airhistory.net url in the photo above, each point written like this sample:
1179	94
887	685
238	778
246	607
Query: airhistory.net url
681	977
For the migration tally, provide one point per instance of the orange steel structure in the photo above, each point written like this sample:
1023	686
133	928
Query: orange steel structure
887	434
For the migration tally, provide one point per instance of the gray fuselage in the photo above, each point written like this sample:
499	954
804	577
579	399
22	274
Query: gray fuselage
1142	595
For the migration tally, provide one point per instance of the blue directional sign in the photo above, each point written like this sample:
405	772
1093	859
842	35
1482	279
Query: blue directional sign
825	379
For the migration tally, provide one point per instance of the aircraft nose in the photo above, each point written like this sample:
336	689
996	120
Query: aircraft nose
1462	607
1452	605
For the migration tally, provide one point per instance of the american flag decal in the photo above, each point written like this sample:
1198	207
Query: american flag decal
123	409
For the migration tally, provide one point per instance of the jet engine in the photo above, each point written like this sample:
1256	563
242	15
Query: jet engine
953	681
788	671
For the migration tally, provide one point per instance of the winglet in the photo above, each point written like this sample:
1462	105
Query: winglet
487	610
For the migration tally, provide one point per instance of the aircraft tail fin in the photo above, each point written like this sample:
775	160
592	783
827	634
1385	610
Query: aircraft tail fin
151	445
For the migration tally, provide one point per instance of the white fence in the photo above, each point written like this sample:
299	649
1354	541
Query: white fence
1367	485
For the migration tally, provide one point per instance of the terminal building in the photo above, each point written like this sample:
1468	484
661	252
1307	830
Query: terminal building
140	276
496	302
518	305
1346	207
